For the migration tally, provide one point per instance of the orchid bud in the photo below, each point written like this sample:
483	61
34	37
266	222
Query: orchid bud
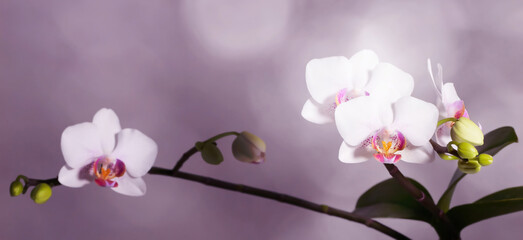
16	188
465	130
447	156
467	151
41	193
211	154
485	159
469	167
248	147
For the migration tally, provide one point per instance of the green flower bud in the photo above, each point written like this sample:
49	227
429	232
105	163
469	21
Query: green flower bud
467	151
41	193
469	167
248	147
485	159
16	188
446	156
465	130
452	146
211	154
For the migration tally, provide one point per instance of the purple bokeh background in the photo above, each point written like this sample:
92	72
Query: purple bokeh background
182	71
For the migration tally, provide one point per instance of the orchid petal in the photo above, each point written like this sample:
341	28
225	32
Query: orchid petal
390	83
439	85
416	119
326	76
136	150
449	94
130	186
108	124
351	154
421	154
361	117
318	113
75	177
81	144
362	63
443	134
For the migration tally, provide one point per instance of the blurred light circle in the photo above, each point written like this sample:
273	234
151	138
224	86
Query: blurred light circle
237	29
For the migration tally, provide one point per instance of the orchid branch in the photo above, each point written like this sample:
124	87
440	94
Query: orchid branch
281	198
175	172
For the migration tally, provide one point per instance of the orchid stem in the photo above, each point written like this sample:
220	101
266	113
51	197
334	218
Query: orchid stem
443	226
291	200
281	198
184	159
221	135
31	182
268	194
442	121
437	147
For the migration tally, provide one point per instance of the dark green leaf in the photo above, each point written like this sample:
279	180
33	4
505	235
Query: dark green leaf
390	199
498	139
444	201
509	193
503	202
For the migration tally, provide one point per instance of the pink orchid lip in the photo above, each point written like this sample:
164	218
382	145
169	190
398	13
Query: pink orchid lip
344	95
105	171
387	143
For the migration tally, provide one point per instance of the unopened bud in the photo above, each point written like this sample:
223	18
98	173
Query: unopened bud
16	188
211	154
447	156
248	147
485	159
465	130
452	146
469	167
41	193
467	150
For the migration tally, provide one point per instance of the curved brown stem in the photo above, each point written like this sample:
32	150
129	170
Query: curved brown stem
281	198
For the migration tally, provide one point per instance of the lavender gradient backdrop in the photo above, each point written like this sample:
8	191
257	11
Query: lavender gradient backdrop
182	71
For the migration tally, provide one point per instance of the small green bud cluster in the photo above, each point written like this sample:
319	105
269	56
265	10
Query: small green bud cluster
40	193
469	159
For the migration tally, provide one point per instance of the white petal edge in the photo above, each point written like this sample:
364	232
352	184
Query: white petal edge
439	85
360	117
130	186
80	144
416	119
326	76
442	135
449	94
421	154
74	177
350	154
362	63
390	83
317	113
108	124
136	150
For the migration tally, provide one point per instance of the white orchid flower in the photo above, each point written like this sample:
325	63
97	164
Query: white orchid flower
449	105
335	80
102	152
387	132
